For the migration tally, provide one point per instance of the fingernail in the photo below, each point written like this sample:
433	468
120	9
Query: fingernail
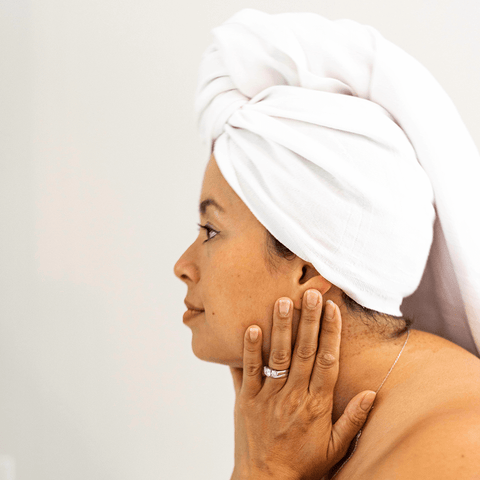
329	310
368	400
312	298
253	334
283	307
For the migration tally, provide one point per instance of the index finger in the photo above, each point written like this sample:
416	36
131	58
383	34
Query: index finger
252	361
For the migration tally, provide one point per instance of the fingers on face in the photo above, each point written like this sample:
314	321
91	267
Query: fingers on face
281	341
325	370
311	365
306	343
252	361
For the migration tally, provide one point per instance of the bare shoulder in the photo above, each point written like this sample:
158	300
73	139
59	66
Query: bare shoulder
441	447
442	441
443	371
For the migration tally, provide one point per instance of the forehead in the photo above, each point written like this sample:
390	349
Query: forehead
215	187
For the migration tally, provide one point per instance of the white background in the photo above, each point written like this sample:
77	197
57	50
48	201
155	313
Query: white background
100	174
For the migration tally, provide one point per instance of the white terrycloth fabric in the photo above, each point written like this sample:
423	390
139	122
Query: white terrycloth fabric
334	137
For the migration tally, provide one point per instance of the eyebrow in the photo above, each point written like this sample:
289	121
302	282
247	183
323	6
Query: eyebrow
209	202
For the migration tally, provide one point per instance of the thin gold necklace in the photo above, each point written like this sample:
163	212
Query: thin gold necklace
357	436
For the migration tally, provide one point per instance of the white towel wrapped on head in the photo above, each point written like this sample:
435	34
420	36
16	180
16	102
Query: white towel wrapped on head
351	154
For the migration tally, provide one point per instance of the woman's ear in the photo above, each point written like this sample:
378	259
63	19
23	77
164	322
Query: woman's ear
307	278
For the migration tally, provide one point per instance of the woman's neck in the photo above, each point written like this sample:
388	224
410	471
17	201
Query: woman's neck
366	357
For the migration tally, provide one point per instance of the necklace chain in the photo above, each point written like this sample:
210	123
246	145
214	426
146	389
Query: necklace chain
359	434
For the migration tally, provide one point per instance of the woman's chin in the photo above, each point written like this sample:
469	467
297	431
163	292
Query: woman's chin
206	353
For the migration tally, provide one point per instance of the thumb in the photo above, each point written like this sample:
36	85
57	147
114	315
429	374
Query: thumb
351	421
237	375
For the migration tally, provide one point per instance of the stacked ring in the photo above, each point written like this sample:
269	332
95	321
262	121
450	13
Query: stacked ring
270	372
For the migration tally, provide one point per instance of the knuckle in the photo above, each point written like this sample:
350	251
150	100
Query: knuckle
289	407
330	327
244	405
280	356
250	348
321	409
326	360
282	324
306	352
241	404
278	411
357	418
252	369
310	317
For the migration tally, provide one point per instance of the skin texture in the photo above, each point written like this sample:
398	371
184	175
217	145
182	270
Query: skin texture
297	440
229	278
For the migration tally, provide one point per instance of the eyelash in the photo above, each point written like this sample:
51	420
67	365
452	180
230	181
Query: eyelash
208	230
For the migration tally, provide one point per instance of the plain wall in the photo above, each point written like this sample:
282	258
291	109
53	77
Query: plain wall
100	175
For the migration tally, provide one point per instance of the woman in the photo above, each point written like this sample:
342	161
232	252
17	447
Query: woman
312	186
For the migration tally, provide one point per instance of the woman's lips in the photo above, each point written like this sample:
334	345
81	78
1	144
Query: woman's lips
190	314
190	306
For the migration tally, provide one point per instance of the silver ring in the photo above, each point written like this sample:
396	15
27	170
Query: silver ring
270	372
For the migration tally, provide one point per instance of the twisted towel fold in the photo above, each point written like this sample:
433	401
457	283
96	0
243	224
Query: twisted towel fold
351	154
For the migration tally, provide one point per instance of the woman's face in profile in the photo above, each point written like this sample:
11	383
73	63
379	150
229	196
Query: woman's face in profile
227	275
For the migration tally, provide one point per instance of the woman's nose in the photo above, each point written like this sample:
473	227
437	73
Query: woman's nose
185	269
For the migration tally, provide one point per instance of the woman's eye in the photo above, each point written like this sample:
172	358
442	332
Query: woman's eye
209	231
